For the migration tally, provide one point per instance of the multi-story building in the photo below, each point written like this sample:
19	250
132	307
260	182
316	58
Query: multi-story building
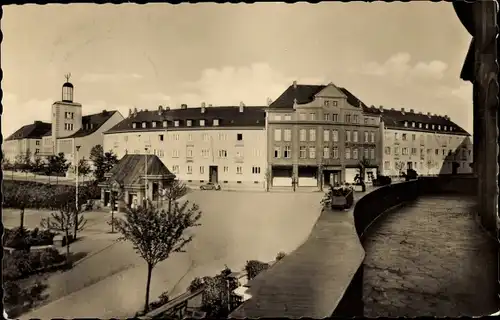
67	130
318	134
427	143
226	145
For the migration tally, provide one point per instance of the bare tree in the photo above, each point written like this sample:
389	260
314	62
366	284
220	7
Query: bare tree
267	177
157	233
63	220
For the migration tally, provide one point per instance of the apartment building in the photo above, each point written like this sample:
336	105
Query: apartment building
318	134
225	145
428	143
67	130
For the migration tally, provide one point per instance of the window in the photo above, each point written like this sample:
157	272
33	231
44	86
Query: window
312	116
326	153
175	153
302	152
326	135
366	136
189	152
347	153
436	152
189	169
312	152
206	137
420	125
202	169
387	150
372	137
396	136
439	127
404	136
144	124
134	125
205	153
413	151
37	143
277	117
312	134
427	126
405	151
326	117
355	154
176	137
189	123
37	151
160	137
215	122
202	123
365	152
335	117
406	123
277	134
413	137
222	136
239	170
256	170
165	124
287	135
303	135
429	151
335	152
190	137
287	153
226	169
326	103
334	103
396	151
355	136
176	123
335	135
413	124
387	164
433	126
302	116
239	136
222	153
175	168
348	136
277	152
347	118
239	153
366	120
355	118
287	117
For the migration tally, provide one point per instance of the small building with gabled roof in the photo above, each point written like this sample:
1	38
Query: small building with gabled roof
128	181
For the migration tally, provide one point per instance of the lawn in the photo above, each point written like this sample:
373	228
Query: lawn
236	227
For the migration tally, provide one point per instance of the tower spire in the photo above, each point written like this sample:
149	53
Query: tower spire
67	76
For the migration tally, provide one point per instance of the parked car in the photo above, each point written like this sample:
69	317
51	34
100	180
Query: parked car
210	186
382	181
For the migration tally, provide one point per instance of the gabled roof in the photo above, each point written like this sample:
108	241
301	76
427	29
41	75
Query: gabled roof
227	117
395	119
352	99
130	169
303	93
36	130
90	124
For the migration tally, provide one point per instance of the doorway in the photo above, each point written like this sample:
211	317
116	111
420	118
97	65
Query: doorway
213	174
409	165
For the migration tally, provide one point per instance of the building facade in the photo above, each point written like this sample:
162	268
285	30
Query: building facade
427	143
318	134
67	130
225	145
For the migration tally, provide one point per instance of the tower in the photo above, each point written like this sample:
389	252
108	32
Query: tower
66	114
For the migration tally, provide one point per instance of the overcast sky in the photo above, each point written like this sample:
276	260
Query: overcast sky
124	56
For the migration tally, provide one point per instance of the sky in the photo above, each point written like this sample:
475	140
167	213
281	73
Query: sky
398	55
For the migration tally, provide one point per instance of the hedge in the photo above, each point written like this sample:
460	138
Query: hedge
14	238
20	264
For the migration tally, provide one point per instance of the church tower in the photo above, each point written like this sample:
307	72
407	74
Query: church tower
66	114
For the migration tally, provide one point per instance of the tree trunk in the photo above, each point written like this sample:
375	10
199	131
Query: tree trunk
21	223
67	244
112	220
75	229
148	285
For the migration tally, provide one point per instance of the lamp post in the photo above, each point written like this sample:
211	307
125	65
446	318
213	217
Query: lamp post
76	195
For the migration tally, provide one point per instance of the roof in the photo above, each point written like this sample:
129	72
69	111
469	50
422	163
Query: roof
352	99
395	119
303	93
36	130
130	169
90	124
227	116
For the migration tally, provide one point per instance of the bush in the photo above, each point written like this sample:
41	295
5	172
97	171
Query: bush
196	284
280	255
15	238
162	300
254	267
20	264
18	300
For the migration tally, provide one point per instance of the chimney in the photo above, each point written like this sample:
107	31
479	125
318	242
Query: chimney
167	108
295	84
37	122
242	105
104	112
202	109
160	110
381	108
184	106
392	109
402	110
129	113
203	105
428	114
294	104
412	111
